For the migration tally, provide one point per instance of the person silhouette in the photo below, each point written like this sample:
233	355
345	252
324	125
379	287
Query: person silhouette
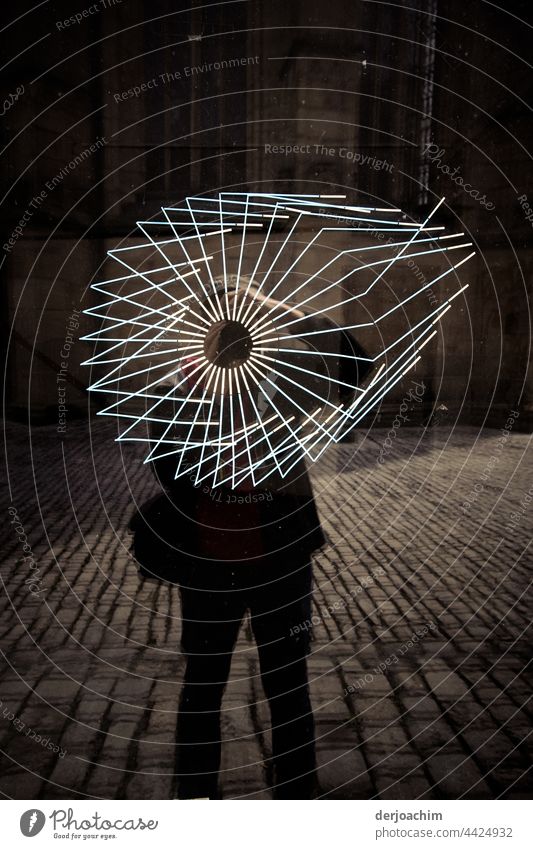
248	548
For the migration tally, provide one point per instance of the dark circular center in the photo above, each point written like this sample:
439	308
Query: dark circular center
228	344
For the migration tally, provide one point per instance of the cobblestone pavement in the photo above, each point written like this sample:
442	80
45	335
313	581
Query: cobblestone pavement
93	664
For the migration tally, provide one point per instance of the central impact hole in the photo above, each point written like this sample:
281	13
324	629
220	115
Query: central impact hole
228	344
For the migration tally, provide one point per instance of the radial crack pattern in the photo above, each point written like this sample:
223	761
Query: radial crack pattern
220	348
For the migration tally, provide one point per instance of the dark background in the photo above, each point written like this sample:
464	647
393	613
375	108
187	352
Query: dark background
435	537
378	78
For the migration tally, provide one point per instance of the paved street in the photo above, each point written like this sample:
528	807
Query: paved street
419	664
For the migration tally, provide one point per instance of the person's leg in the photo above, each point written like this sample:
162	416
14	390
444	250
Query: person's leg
279	616
211	622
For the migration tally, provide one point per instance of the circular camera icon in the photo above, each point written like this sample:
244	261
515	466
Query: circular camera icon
32	822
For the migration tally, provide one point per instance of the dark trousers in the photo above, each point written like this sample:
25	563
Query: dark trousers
213	606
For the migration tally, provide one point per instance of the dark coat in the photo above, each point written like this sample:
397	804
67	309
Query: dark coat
283	511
